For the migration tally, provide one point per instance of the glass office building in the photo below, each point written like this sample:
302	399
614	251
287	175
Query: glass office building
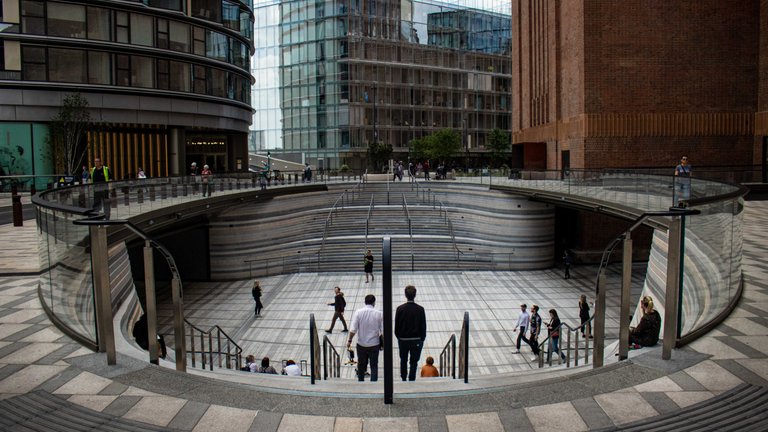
167	81
333	76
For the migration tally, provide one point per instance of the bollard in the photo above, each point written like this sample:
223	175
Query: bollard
18	217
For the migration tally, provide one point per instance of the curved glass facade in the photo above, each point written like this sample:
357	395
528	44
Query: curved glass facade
335	76
160	76
138	47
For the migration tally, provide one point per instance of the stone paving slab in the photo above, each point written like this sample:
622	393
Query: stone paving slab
581	401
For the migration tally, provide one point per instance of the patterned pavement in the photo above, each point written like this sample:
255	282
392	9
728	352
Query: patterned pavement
35	358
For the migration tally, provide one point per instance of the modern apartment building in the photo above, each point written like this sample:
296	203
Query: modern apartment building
334	76
605	83
167	81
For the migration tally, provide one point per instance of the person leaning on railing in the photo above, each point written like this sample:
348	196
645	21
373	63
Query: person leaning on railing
647	332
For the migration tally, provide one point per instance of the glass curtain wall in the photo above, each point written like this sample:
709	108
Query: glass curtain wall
335	76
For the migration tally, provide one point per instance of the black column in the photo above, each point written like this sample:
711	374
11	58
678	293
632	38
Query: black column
386	277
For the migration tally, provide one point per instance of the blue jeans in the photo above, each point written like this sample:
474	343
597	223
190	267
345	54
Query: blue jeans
555	340
410	348
364	354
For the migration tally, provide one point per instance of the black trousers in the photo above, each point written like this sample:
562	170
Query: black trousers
364	355
534	343
336	316
521	337
412	349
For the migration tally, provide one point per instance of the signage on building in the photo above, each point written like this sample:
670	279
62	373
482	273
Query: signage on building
207	143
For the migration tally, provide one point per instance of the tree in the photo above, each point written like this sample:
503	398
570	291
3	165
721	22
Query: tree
379	153
498	144
419	148
67	133
444	144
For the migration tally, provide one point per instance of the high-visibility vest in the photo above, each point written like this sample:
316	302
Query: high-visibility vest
106	172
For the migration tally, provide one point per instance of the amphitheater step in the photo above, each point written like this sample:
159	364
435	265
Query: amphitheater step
42	411
742	408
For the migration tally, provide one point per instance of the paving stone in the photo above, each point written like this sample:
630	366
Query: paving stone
556	417
660	401
121	405
434	423
302	423
266	421
389	424
591	413
224	419
515	420
625	407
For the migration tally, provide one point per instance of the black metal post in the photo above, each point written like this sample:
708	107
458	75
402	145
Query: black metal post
386	277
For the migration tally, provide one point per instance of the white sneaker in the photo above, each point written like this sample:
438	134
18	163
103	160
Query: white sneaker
534	358
516	352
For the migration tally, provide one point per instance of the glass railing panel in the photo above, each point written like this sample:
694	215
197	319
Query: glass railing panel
66	282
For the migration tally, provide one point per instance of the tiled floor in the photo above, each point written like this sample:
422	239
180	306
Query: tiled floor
36	357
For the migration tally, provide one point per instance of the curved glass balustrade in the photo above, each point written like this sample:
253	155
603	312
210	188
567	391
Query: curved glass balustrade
713	239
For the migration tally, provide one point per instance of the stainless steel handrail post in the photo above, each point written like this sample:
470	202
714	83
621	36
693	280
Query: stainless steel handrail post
102	292
150	301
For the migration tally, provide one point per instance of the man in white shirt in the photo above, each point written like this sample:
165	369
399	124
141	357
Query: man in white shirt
368	324
291	369
522	322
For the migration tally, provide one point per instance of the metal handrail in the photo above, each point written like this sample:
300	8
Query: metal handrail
328	221
368	221
314	350
229	342
464	349
410	228
288	261
335	359
448	358
547	342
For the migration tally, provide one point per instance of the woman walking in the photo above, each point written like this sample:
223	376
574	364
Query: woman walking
554	334
586	327
256	292
368	262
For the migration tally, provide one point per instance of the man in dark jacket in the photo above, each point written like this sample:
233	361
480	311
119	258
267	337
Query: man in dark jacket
339	304
410	330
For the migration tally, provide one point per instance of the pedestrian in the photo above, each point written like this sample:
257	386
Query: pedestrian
101	175
522	323
683	182
263	180
194	175
142	179
368	265
291	368
256	293
339	304
647	332
85	175
307	172
429	370
533	337
567	264
368	324
266	368
207	180
411	171
554	327
586	327
425	167
411	331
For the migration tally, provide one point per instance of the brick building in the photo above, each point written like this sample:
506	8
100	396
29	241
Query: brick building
601	83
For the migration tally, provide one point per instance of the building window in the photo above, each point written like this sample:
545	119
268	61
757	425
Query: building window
230	15
33	17
179	34
199	79
142	72
180	74
121	27
66	20
66	65
207	9
165	4
122	70
98	67
142	30
218	83
216	45
162	74
199	42
162	33
33	63
98	23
